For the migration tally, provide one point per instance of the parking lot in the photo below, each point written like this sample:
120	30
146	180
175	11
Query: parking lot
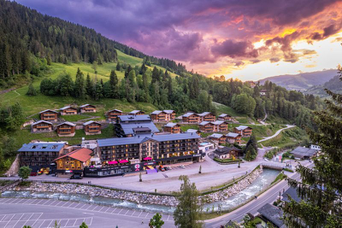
41	213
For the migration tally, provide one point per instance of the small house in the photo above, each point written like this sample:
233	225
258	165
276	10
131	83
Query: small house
263	92
272	214
41	126
218	138
112	115
136	112
74	161
303	152
244	131
173	128
225	117
193	131
191	117
233	138
68	110
206	126
159	116
49	115
87	108
207	116
92	128
66	129
226	152
171	114
220	126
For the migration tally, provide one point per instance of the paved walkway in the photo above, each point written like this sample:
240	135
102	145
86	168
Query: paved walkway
276	134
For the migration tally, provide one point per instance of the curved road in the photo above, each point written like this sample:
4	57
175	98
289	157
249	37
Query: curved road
276	134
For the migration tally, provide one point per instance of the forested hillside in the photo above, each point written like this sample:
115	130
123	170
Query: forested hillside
334	84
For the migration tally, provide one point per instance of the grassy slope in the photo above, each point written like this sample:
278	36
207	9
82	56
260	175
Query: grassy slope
287	138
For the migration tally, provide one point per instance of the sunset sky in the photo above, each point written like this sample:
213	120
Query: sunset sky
245	39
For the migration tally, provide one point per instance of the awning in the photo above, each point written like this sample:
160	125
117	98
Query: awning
123	161
112	162
147	159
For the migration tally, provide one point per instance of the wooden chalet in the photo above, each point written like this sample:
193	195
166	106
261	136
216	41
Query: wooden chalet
225	117
92	128
41	126
136	112
173	128
68	110
112	115
233	138
244	131
206	126
87	108
227	152
207	116
193	131
218	138
191	117
171	114
66	129
74	161
163	116
49	115
220	126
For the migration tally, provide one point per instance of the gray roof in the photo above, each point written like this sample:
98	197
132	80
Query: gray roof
218	122
191	131
128	127
90	122
130	118
41	121
68	123
225	150
85	105
272	214
169	111
135	111
117	110
232	135
188	114
156	112
66	107
48	110
170	124
42	146
215	135
241	128
302	152
223	115
292	192
204	113
204	123
140	139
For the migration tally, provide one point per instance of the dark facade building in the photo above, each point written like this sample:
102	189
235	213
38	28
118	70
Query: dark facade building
169	148
130	125
40	155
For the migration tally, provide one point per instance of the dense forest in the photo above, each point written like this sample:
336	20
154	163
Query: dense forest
26	34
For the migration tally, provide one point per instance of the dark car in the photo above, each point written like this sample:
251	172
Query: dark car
76	176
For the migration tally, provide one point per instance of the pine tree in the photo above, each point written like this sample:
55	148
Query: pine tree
48	60
118	67
113	82
80	90
155	75
188	210
89	86
31	91
156	221
321	185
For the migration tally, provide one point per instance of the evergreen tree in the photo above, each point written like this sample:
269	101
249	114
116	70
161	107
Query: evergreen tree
156	221
321	185
155	75
80	90
194	87
250	153
89	86
118	67
113	82
48	60
24	172
188	210
31	91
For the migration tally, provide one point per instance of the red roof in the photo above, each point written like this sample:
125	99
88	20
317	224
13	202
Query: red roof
82	155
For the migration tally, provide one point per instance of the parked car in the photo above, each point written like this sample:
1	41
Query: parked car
161	168
33	174
76	176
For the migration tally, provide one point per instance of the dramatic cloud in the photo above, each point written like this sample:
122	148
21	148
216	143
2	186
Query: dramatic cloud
210	33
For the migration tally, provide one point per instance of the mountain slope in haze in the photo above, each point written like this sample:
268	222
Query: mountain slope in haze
334	84
302	81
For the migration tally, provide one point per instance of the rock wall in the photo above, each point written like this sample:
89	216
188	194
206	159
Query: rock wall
13	170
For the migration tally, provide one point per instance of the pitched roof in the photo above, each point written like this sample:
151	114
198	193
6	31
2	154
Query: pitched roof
128	127
42	146
223	115
135	111
41	121
114	110
66	107
48	110
171	124
272	214
85	105
204	113
191	131
216	136
218	122
82	155
131	118
139	139
90	122
232	135
188	114
169	111
302	152
204	123
68	123
241	128
156	112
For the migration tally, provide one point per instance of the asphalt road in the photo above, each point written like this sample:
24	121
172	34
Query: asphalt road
277	133
42	213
